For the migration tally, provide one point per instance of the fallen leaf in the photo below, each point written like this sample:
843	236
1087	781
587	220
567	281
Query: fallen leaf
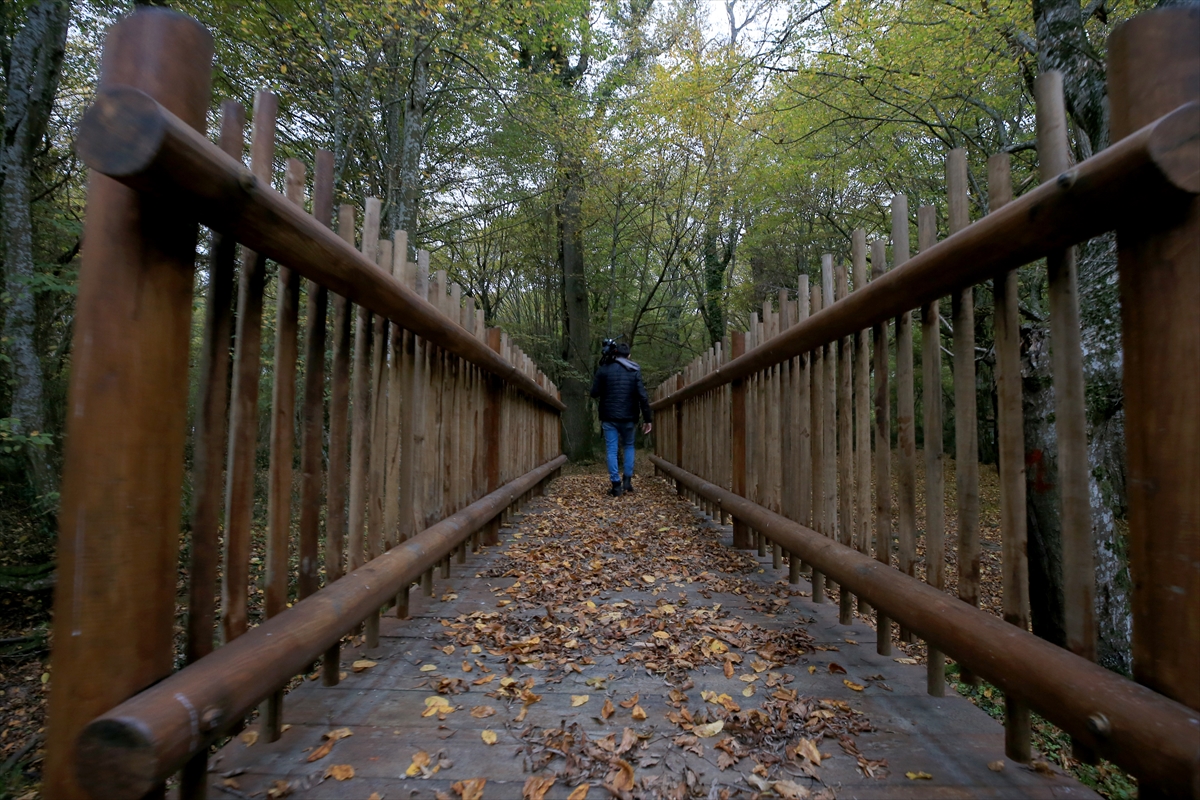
429	668
905	660
661	635
448	649
729	669
281	788
629	739
466	666
249	737
789	790
580	792
375	796
630	703
748	691
918	776
470	789
483	680
648	578
621	778
639	714
536	787
1042	767
811	669
858	687
420	760
996	766
488	736
806	748
579	699
321	752
362	664
836	668
709	730
340	772
479	712
606	711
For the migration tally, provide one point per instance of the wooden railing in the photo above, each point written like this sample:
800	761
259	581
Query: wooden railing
420	432
774	426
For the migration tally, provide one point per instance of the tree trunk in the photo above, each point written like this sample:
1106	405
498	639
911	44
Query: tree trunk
36	59
714	286
412	143
577	419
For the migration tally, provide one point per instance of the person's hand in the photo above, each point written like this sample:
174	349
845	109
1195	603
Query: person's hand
646	429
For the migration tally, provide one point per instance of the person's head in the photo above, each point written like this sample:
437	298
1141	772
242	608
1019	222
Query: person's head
611	349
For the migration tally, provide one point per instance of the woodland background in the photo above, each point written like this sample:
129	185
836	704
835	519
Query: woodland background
647	169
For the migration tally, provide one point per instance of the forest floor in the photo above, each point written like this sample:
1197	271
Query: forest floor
25	625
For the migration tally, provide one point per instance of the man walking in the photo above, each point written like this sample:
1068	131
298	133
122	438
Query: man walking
619	388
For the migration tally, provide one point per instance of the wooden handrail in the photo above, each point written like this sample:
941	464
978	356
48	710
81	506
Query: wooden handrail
1159	162
129	137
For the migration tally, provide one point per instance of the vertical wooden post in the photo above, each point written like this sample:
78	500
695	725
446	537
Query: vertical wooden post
311	447
817	435
1154	66
243	408
862	414
966	426
1066	361
804	415
741	533
211	430
491	435
211	417
935	484
1011	452
883	452
360	451
339	444
906	434
114	607
845	460
283	433
396	365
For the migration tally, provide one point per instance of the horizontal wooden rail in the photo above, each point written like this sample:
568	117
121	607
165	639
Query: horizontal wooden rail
129	137
1160	162
1146	733
128	751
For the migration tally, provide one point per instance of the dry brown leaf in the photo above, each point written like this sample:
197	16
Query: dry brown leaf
580	792
488	736
340	772
579	699
249	737
469	789
729	669
607	710
536	787
629	738
375	796
362	664
630	703
639	714
836	668
709	730
621	778
483	680
858	687
448	649
806	748
996	766
789	790
322	751
479	712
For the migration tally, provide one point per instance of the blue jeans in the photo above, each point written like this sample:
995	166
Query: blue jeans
618	434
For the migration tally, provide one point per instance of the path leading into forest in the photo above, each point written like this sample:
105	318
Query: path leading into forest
620	648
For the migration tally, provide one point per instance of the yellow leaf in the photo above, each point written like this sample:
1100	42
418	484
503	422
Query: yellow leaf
996	766
709	730
580	792
489	737
905	660
420	759
811	669
448	649
747	678
621	778
249	737
639	714
748	691
579	699
648	578
362	664
476	649
858	687
429	668
919	776
340	772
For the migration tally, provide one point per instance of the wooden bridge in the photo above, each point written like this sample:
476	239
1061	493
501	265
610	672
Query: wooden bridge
674	643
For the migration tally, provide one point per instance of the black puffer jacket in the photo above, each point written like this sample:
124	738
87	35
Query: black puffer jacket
621	393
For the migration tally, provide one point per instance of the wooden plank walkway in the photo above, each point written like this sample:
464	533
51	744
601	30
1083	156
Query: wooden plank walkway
590	599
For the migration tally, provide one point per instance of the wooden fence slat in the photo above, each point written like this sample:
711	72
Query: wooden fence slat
243	410
829	387
935	484
883	451
845	457
313	426
817	437
906	434
862	415
1011	455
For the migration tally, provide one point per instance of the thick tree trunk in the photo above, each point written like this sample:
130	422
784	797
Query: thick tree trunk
714	286
577	349
36	59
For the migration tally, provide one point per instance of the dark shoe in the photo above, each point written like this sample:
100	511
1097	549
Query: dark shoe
615	491
628	486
